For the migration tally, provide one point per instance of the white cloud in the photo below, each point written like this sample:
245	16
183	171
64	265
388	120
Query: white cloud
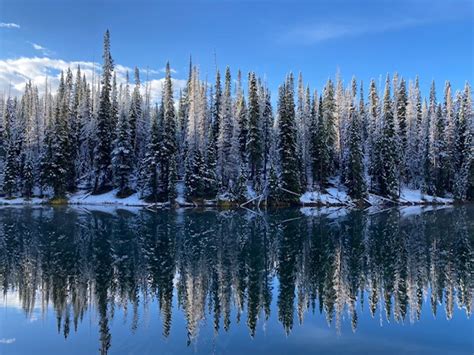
45	51
14	73
9	25
7	341
324	31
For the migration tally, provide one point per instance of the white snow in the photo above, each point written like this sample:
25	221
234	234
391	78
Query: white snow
332	196
109	198
417	197
21	201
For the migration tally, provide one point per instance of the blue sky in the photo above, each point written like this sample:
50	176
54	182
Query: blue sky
363	38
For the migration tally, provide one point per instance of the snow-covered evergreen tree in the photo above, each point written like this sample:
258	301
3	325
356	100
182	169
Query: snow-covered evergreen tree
254	142
463	179
355	175
168	169
55	159
103	149
287	144
226	140
386	154
122	155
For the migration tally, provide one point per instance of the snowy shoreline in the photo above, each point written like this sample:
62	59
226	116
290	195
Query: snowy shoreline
332	197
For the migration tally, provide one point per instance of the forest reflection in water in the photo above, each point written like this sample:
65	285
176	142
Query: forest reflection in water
227	267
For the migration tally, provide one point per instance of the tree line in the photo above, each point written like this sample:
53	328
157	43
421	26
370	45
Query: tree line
223	141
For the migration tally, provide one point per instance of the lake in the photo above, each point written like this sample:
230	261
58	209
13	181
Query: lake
289	281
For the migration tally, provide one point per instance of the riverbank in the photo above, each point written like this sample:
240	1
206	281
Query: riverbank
332	197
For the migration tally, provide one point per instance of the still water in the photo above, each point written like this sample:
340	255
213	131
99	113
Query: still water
81	281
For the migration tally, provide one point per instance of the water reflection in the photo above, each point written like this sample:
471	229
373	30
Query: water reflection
222	266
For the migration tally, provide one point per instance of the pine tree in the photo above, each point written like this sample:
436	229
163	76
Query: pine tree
267	128
287	141
9	149
402	102
328	110
241	114
440	153
151	159
463	179
11	170
448	113
55	159
355	171
240	188
195	170
135	113
428	157
226	162
273	191
168	167
373	132
254	142
386	159
321	151
103	149
29	178
212	150
122	155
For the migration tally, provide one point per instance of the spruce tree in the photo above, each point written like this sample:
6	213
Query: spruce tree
29	178
321	152
267	129
169	145
135	113
355	180
122	155
103	150
55	159
243	125
463	178
151	159
11	168
287	141
273	190
226	162
328	110
373	127
212	150
402	101
386	159
440	153
254	142
240	188
8	149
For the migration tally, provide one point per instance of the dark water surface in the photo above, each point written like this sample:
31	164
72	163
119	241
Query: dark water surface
201	281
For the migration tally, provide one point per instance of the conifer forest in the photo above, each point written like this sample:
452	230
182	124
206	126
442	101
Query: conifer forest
229	141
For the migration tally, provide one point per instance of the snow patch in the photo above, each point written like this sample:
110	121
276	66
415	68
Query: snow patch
109	198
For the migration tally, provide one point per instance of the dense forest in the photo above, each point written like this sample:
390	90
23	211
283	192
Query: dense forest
219	140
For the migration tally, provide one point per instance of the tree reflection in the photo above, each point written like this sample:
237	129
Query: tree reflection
225	262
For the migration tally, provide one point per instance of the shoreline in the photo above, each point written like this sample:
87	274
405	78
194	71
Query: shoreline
105	200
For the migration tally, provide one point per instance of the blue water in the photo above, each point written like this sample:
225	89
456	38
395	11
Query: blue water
202	281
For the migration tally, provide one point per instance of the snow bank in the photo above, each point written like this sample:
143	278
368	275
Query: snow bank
21	201
333	196
109	198
417	197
